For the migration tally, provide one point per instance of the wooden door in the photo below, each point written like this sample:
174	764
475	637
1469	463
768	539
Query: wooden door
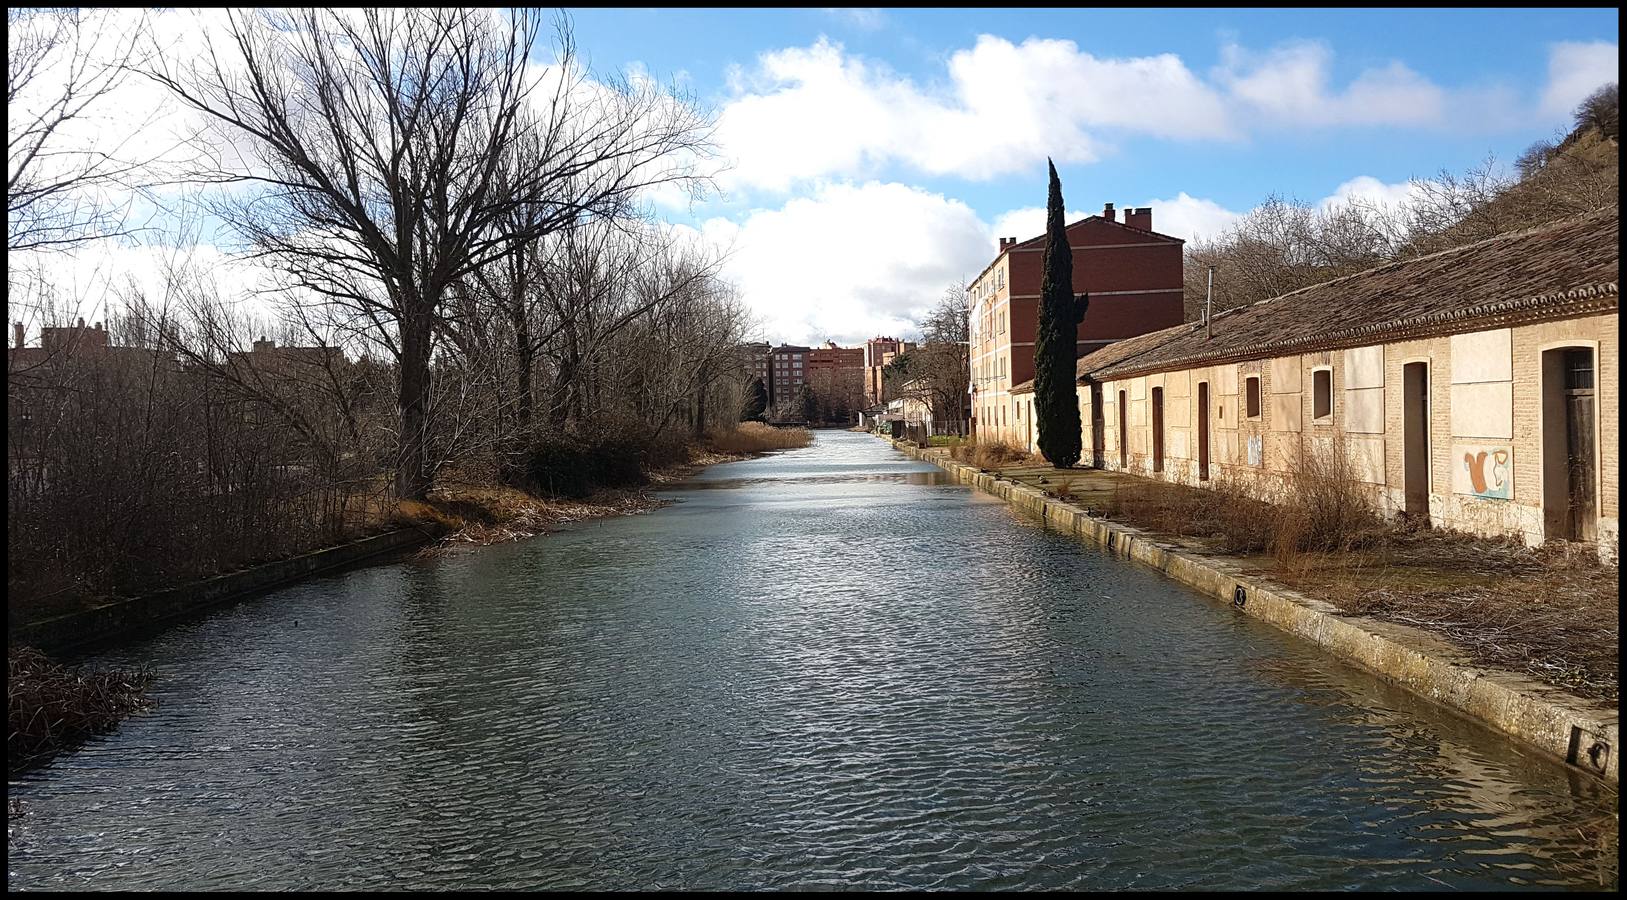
1582	469
1098	439
1203	431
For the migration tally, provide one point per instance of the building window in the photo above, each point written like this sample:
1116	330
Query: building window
1252	399
1322	394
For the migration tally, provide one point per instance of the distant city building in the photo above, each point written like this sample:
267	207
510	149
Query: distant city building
267	358
878	352
1132	273
836	375
755	356
833	358
790	369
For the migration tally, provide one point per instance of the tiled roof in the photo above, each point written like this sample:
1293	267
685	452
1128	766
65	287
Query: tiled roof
1565	269
1120	351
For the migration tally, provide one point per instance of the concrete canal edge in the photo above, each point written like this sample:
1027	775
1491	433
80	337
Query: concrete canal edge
1581	733
127	616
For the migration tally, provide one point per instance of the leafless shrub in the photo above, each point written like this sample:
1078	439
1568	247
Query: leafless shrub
990	454
1324	506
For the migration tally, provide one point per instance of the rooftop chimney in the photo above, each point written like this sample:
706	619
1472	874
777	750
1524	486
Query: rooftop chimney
1139	218
1108	214
17	332
1006	242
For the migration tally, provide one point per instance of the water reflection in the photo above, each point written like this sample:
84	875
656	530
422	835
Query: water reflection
824	668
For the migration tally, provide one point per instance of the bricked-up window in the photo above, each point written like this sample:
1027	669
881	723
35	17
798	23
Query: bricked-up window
1252	399
1322	393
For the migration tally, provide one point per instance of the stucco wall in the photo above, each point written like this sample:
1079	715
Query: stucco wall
1485	422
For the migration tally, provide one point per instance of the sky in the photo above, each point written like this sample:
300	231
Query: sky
868	159
877	154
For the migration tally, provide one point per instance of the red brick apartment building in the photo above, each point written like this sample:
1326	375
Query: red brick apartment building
790	372
1134	278
755	357
831	358
878	352
836	375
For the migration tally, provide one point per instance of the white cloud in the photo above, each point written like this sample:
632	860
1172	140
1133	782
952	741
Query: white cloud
806	113
1368	190
867	18
1576	69
998	107
851	261
1290	84
1028	222
1189	218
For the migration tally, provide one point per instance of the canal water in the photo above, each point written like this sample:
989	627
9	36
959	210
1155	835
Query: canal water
825	668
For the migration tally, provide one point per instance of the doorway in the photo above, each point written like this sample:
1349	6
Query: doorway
1570	467
1124	434
1415	439
1158	429
1203	431
1098	440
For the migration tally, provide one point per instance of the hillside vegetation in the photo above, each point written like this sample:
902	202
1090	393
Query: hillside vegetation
1285	244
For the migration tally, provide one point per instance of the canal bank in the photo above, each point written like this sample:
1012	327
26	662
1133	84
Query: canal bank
1583	734
126	616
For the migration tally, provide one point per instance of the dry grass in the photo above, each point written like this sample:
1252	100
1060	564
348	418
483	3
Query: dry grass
1550	613
1323	508
480	513
53	707
756	437
989	454
1226	514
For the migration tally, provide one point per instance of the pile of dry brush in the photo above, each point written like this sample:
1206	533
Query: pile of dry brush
54	707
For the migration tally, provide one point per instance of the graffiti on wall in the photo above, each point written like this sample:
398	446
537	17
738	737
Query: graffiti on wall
1483	470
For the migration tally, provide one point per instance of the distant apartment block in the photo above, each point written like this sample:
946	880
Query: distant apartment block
1132	273
790	368
755	356
831	358
878	352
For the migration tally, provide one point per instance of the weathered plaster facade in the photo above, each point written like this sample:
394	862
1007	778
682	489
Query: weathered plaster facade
1484	390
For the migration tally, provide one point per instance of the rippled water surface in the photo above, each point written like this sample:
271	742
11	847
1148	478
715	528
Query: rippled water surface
826	668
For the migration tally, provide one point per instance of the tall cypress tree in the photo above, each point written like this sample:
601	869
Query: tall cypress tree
1056	394
756	404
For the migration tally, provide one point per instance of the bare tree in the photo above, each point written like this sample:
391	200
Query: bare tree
385	144
66	189
1283	245
1601	110
937	372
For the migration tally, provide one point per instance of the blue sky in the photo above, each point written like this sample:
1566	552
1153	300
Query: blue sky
1490	48
868	146
867	160
871	165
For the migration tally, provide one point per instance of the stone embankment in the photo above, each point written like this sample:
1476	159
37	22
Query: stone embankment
124	616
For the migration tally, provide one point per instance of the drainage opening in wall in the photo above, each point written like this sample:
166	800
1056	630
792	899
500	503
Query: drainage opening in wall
1588	751
1239	596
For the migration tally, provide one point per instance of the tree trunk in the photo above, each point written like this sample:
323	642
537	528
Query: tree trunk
412	457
